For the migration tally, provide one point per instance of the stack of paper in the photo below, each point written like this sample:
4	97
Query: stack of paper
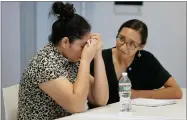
117	116
152	102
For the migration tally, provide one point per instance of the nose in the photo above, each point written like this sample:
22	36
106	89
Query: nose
124	48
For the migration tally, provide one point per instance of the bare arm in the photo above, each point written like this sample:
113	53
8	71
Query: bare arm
71	97
99	88
171	90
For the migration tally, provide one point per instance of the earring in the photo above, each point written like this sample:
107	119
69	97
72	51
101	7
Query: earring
139	54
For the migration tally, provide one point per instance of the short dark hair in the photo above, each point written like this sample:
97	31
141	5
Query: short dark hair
68	23
138	26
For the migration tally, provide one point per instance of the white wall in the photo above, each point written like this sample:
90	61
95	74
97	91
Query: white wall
43	23
28	32
0	59
10	40
166	22
10	43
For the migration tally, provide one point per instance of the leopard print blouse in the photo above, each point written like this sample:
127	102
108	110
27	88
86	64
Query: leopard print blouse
33	103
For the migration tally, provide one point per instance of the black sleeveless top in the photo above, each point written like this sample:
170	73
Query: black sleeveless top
145	73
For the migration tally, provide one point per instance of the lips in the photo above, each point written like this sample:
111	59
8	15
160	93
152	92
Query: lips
121	51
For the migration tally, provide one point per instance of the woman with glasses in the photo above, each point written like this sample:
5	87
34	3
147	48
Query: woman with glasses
148	77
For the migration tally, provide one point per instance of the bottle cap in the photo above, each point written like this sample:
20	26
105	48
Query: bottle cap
124	74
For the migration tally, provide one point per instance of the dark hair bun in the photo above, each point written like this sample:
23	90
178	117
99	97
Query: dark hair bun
63	11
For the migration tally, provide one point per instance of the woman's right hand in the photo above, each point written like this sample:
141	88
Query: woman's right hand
89	50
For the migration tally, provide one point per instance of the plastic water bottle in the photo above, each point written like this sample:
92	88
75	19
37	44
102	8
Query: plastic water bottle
125	93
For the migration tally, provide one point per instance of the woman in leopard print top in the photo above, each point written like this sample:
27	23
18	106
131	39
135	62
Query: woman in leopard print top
57	82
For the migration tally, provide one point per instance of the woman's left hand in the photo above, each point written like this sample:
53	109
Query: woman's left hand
97	36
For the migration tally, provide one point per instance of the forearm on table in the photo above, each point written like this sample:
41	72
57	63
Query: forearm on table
164	93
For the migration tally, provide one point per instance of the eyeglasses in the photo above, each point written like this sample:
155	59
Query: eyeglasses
130	45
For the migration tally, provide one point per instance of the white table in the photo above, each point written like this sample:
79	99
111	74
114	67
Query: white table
111	112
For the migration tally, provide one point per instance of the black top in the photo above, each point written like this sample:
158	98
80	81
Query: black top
145	73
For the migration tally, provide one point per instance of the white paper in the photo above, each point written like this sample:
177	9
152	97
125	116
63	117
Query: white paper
122	117
152	102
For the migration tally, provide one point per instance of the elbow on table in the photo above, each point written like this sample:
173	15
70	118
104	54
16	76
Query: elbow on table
178	93
102	102
76	109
